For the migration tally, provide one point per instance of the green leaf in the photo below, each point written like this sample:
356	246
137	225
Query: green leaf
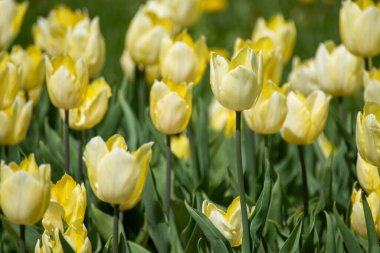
103	223
373	243
96	242
135	248
217	241
330	235
292	244
65	245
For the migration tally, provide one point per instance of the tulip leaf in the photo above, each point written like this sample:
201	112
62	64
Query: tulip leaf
217	241
65	245
131	122
103	222
95	240
135	248
330	235
292	244
373	243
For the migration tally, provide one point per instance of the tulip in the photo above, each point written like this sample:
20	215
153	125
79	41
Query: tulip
372	86
228	223
221	118
339	73
184	13
15	122
303	77
33	94
66	81
358	27
306	117
367	133
86	40
116	175
24	190
214	5
128	65
269	112
170	106
182	60
282	32
31	64
152	73
368	176
9	81
236	84
180	146
326	146
11	20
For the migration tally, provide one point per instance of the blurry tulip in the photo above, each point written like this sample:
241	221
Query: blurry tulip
268	113
214	5
128	65
182	60
303	77
180	146
9	81
221	118
152	73
339	73
184	13
116	175
219	51
236	84
282	32
368	176
358	27
35	94
93	108
306	117
170	106
66	81
15	121
372	86
326	146
10	20
24	190
31	64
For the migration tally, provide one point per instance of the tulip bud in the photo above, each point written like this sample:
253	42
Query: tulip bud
10	20
180	146
152	73
182	60
358	20
31	64
128	65
339	73
15	121
306	117
24	190
184	13
170	106
326	146
372	86
66	81
214	5
116	175
282	32
9	81
221	118
303	77
93	108
236	84
368	176
269	112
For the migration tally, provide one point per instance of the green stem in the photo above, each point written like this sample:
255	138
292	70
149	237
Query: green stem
115	236
246	245
22	239
67	143
168	176
80	154
193	157
304	180
142	103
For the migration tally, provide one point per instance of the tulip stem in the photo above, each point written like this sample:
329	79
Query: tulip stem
67	143
246	247
80	154
168	176
22	238
115	237
304	180
368	63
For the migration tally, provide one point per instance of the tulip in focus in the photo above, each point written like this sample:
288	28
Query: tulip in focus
221	118
368	176
180	146
9	81
24	190
306	117
116	175
303	77
236	84
12	15
170	106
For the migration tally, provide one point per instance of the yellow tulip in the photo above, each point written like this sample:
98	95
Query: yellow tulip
9	81
10	20
182	60
326	146
152	73
368	176
15	121
35	94
31	64
220	51
368	133
339	73
372	86
358	22
116	175
303	77
184	13
180	146
53	217
221	118
24	190
66	81
228	223
128	65
93	108
236	84
269	112
282	32
214	5
170	106
306	117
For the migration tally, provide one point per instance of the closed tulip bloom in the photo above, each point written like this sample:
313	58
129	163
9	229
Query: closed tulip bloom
303	77
93	108
180	146
368	176
86	40
184	13
128	65
35	94
326	146
66	81
31	64
221	119
14	121
152	73
359	22
116	175
9	81
182	60
10	20
372	86
236	84
282	32
214	5
24	190
170	106
339	73
306	117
